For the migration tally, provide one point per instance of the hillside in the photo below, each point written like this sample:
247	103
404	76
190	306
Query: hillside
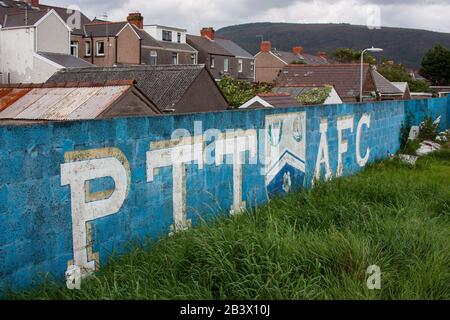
402	45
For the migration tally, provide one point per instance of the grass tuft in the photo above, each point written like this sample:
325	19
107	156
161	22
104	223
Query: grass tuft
315	244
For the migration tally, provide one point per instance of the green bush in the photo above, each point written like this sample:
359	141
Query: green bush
315	96
238	92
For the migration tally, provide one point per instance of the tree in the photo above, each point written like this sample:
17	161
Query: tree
398	73
436	65
239	92
347	55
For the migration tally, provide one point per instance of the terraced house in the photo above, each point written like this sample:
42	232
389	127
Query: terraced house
222	57
34	44
131	42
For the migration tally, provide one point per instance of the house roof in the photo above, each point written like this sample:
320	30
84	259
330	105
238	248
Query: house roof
344	77
176	46
62	101
165	85
384	86
17	8
233	48
65	60
21	20
207	45
402	86
290	57
271	100
295	91
147	39
103	29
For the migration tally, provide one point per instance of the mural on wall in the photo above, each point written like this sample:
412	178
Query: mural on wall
83	190
285	145
79	169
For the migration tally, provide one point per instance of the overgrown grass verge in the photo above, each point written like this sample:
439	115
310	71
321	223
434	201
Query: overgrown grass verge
315	244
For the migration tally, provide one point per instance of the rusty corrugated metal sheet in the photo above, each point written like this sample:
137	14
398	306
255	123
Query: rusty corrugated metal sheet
77	103
10	95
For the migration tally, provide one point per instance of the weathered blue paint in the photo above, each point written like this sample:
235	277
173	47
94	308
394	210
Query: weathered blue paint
35	210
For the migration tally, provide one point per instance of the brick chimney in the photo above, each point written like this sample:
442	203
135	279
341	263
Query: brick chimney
297	50
208	33
266	46
34	3
137	19
322	54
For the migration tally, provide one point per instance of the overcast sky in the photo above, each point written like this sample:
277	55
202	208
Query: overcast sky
193	14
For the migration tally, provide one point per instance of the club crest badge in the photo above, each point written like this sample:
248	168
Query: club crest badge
285	152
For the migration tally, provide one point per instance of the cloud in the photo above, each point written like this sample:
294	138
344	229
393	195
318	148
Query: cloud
194	14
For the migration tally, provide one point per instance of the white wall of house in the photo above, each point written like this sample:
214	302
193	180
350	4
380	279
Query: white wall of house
333	98
19	62
16	54
53	36
156	32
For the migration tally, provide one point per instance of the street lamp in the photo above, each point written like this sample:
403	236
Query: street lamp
362	69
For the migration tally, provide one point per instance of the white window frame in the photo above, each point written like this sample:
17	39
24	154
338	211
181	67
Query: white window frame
74	45
226	63
212	63
179	35
88	45
97	43
240	65
194	58
175	54
154	54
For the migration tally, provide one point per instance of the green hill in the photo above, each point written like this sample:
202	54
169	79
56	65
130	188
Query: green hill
407	46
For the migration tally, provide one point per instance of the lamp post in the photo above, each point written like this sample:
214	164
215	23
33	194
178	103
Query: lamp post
362	69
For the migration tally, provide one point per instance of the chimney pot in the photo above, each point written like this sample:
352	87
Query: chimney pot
33	3
322	54
266	46
297	50
136	19
208	33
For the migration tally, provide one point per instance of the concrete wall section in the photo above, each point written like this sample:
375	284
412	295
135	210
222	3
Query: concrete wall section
73	193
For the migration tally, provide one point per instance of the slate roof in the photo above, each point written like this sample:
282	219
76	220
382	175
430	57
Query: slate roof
65	60
384	86
233	48
99	29
176	46
19	19
12	7
147	39
206	45
165	85
344	77
289	57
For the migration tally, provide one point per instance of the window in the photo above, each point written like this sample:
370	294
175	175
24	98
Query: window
153	58
88	48
179	37
226	65
212	63
74	48
193	58
174	58
252	66
240	66
100	48
167	35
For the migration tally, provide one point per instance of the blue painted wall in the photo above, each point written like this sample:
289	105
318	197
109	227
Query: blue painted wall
36	211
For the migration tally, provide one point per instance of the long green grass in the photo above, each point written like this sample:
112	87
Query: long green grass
315	244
